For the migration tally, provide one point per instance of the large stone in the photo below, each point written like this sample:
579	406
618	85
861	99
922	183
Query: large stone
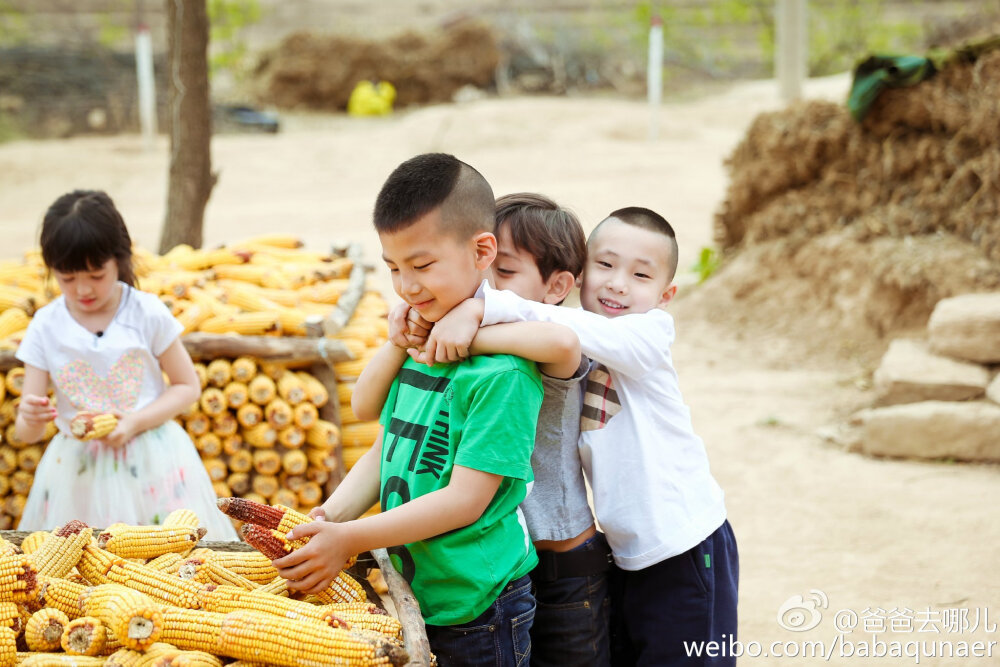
967	327
910	373
993	391
967	431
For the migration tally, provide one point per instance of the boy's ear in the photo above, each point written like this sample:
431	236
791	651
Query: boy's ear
668	294
558	286
485	244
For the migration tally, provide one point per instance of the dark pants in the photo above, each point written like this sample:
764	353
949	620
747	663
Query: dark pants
688	598
499	636
571	622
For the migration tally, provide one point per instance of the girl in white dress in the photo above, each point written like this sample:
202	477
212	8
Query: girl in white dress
105	346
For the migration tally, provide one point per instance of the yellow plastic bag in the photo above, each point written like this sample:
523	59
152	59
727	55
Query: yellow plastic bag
370	99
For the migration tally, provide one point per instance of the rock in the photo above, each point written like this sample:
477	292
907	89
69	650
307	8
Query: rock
967	431
910	373
967	327
993	391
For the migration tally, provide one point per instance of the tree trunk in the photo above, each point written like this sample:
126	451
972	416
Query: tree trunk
190	121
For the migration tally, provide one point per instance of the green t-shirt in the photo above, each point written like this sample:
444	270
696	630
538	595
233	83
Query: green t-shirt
481	414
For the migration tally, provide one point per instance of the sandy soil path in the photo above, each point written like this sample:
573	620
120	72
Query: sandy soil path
881	539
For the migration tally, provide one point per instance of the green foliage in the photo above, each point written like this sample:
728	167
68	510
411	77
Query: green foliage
841	32
13	26
9	131
227	19
707	264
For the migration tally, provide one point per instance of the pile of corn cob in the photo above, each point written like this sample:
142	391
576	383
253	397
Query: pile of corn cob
145	595
18	460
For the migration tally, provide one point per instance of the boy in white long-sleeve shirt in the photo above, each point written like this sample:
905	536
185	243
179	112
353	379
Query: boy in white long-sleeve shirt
677	566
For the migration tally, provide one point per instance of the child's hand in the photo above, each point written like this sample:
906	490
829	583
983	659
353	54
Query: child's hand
406	328
451	336
317	513
36	410
311	568
123	433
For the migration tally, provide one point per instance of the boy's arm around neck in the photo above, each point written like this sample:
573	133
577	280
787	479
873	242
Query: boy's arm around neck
555	348
630	344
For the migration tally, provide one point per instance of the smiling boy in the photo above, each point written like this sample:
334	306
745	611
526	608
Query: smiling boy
452	463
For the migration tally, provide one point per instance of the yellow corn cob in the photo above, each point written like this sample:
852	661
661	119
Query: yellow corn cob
61	550
216	469
182	518
291	388
360	434
148	541
20	482
192	316
8	460
278	413
199	260
262	389
250	415
244	369
351	455
323	460
44	629
186	659
8	547
101	567
14	504
92	425
62	594
262	435
10	435
279	241
4	490
13	320
323	435
221	489
295	321
60	660
14	381
18	579
189	412
238	482
135	619
208	445
236	393
316	392
241	461
292	437
14	616
366	332
284	497
294	462
310	494
126	657
266	461
219	372
225	425
211	302
84	636
28	458
357	348
213	402
204	571
328	292
32	542
202	373
264	485
291	482
247	297
168	562
15	297
251	565
247	324
251	273
347	415
232	444
197	424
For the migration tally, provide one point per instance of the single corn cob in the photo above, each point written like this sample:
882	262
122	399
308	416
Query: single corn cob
197	424
225	425
244	369
249	415
294	462
266	516
232	444
291	482
321	460
148	541
241	461
291	388
181	658
362	434
13	320
236	393
4	489
239	482
251	565
44	629
224	599
21	481
88	425
213	402
344	392
284	497
262	435
61	550
247	324
18	578
278	413
10	435
8	460
363	616
192	316
347	415
11	616
208	445
351	455
316	393
14	504
262	389
264	485
100	567
219	372
310	494
60	660
221	489
266	461
207	571
216	469
84	636
126	657
248	298
182	518
292	437
8	648
323	434
202	373
169	563
14	381
62	594
28	458
305	415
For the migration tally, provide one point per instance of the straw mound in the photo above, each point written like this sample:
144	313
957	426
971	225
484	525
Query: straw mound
838	231
319	72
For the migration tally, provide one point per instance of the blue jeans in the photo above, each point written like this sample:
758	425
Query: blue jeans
571	622
499	636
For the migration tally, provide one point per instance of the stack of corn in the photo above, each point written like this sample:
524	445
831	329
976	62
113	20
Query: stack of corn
145	595
259	434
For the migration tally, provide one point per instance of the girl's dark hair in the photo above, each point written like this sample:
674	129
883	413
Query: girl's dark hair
552	235
82	230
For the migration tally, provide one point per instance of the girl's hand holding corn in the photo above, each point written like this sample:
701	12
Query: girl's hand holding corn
124	431
36	410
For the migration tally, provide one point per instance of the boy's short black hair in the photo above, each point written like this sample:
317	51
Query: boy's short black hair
645	218
552	235
426	182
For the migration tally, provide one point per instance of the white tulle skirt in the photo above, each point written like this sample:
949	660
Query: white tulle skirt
141	483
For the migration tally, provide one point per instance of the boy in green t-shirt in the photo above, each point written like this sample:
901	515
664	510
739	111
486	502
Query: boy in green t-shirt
452	463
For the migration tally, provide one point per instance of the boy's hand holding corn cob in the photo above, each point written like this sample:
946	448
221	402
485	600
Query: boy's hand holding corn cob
304	569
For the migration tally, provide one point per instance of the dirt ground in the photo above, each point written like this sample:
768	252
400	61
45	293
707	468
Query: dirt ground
876	537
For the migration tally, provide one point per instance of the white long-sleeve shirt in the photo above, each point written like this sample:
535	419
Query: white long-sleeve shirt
654	495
